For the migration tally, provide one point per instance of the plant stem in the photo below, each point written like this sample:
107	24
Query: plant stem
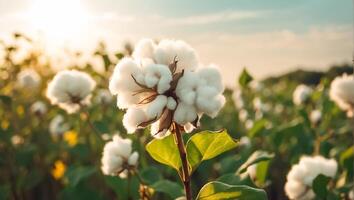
185	169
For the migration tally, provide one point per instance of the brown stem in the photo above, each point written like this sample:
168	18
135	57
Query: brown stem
185	169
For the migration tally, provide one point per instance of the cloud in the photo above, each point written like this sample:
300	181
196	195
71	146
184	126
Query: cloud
275	52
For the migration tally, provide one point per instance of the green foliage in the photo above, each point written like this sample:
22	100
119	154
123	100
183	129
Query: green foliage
206	145
218	190
165	151
319	186
256	157
244	78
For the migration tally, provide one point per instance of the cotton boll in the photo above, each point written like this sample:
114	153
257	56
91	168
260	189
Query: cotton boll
171	103
351	194
133	159
294	189
342	92
28	78
211	77
70	96
302	175
144	49
57	125
245	141
167	50
187	86
158	75
39	108
249	124
132	118
301	94
116	155
123	84
210	105
156	107
184	113
238	101
103	97
315	116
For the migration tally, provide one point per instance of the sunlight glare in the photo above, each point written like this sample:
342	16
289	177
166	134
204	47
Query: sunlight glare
58	19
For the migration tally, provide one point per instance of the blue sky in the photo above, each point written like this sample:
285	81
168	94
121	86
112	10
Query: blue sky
267	36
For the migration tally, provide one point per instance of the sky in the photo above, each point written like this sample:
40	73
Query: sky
267	37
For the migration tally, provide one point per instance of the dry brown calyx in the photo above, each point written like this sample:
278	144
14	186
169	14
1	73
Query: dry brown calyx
166	118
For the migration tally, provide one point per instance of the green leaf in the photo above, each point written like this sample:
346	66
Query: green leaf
168	187
319	185
218	190
256	157
165	151
236	179
257	128
244	78
206	145
77	174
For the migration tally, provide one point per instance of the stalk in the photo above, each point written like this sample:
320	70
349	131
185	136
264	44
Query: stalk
185	169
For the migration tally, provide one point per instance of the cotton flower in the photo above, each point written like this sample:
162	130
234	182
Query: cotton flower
315	116
118	158
342	92
301	176
39	108
58	126
301	94
71	89
103	97
162	84
28	78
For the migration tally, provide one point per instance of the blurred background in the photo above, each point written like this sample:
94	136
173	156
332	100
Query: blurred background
267	37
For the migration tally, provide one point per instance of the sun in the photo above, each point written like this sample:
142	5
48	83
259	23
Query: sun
58	19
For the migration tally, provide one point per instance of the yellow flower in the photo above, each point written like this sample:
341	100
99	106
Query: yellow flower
71	137
5	124
20	110
59	169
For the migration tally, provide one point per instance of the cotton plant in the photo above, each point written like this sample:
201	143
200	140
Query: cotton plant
28	79
342	93
315	117
103	97
118	158
301	177
301	94
165	87
71	90
39	108
58	126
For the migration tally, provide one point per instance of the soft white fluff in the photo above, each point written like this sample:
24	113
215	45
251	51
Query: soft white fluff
202	89
123	85
238	100
167	50
39	108
133	117
342	92
155	128
315	116
28	78
156	107
184	114
199	91
159	76
301	94
103	97
145	48
70	89
301	176
249	124
58	126
117	154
